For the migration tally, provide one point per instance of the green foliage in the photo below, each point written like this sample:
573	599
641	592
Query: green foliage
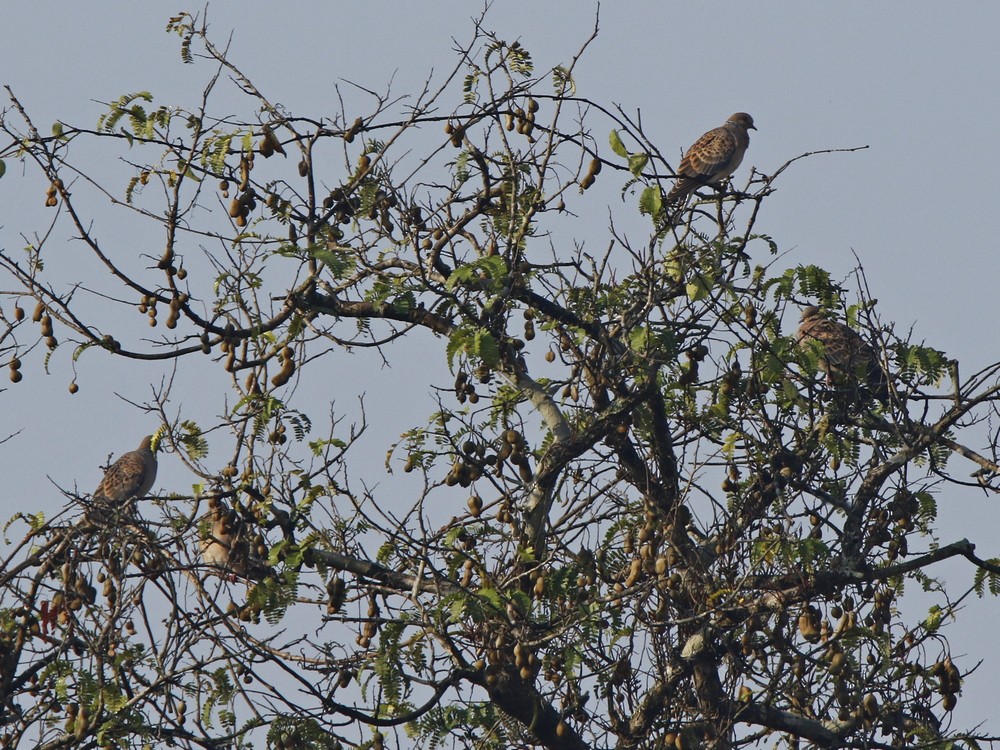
491	268
475	343
297	731
190	437
563	82
519	60
771	549
659	344
617	145
143	124
217	147
273	596
699	286
649	456
805	281
651	202
921	364
986	579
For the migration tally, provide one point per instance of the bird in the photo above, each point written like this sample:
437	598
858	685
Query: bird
227	546
844	355
130	477
713	157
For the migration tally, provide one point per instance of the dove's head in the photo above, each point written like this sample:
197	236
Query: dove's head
742	119
811	312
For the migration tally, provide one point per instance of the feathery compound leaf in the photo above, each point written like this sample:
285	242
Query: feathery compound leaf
119	108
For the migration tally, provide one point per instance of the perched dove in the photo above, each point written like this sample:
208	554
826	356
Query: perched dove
845	354
713	157
130	477
227	545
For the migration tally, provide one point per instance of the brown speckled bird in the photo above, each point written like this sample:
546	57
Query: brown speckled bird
845	355
713	157
130	477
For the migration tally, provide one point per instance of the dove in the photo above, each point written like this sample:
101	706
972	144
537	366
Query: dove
713	157
845	354
130	477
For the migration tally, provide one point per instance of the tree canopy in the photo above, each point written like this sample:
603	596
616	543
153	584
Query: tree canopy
643	512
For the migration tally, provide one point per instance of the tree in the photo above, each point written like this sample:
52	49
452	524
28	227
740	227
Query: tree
638	517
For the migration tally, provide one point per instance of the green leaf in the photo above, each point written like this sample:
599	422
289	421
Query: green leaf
674	267
699	287
637	163
651	201
491	596
616	144
57	129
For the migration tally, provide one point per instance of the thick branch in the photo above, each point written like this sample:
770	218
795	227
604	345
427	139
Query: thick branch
402	582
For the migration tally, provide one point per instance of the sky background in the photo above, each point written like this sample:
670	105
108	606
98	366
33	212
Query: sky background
918	207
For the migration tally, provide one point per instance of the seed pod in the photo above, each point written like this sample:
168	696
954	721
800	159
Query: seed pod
808	628
266	147
837	663
336	588
354	129
635	570
870	705
475	504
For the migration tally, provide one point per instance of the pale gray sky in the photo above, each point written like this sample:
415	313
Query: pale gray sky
916	82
